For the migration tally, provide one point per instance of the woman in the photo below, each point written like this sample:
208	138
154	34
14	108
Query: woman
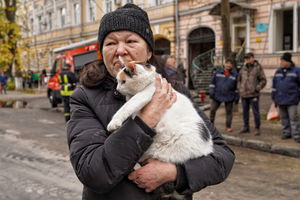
104	162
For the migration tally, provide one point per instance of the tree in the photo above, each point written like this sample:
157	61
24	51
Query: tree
9	36
225	17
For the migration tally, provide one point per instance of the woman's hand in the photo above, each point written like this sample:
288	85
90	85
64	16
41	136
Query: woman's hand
162	99
153	174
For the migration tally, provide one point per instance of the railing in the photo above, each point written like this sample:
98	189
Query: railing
200	64
201	61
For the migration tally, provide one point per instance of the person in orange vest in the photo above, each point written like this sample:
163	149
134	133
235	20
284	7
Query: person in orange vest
67	80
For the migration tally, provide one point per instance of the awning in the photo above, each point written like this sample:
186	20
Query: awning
215	7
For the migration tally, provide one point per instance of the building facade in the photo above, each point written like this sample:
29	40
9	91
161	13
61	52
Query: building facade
51	24
185	28
266	28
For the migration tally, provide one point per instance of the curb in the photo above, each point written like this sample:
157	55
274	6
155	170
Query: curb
262	146
21	96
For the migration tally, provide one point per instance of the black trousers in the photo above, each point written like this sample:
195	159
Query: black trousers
66	100
254	103
228	108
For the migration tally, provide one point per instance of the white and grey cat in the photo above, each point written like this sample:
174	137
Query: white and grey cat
181	133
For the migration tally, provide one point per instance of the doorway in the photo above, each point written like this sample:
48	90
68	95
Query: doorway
200	41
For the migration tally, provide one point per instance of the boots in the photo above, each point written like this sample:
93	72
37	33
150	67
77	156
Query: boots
257	132
244	130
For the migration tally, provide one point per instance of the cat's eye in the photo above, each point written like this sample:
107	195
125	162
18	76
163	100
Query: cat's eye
123	81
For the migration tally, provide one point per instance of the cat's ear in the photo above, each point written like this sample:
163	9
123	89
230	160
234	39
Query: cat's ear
131	66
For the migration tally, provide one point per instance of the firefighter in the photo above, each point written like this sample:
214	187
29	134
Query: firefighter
68	81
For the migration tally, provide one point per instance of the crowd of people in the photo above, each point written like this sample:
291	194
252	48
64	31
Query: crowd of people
228	86
34	79
30	79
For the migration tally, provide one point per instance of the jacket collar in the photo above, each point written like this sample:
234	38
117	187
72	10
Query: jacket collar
288	68
110	83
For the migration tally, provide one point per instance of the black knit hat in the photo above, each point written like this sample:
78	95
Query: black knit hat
287	57
128	17
249	55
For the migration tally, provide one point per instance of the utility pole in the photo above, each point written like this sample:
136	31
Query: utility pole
177	31
225	17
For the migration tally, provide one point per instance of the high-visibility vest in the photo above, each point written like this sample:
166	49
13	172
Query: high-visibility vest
66	87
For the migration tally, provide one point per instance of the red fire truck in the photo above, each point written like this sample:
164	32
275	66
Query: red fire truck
77	55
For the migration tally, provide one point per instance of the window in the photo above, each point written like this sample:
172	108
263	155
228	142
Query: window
49	21
108	6
62	13
40	23
76	13
239	33
31	25
50	59
283	30
129	1
92	10
154	3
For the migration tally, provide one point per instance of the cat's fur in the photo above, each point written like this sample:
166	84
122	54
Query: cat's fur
181	133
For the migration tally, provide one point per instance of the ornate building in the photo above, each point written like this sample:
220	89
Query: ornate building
188	29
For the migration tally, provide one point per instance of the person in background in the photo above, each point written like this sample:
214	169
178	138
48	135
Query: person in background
3	82
181	73
169	67
29	78
103	161
251	81
223	88
286	94
68	82
43	77
35	79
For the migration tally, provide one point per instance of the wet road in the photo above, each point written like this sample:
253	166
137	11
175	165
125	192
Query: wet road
34	163
258	175
33	173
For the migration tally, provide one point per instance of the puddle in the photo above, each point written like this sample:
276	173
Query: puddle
13	104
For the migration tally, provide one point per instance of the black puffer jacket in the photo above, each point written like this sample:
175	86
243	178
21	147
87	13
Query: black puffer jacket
103	161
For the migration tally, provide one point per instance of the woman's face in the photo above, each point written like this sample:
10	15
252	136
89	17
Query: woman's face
127	44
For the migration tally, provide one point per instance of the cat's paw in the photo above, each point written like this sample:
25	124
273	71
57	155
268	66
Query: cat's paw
114	125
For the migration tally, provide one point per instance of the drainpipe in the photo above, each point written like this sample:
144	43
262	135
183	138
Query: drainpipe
177	31
81	19
248	23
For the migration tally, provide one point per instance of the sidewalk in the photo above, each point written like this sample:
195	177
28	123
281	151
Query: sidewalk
268	141
22	95
270	138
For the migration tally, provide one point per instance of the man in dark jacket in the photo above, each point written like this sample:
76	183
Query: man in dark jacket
67	81
181	73
251	81
104	161
223	88
286	94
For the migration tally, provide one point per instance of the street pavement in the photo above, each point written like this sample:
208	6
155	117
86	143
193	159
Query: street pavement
34	159
268	141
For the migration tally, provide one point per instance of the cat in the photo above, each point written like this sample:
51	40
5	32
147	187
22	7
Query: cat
181	133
